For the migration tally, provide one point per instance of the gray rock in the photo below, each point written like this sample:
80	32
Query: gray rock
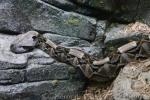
132	82
66	40
100	33
72	7
126	10
12	19
101	28
122	10
115	32
121	33
63	4
144	12
41	61
34	75
11	76
129	10
107	5
43	90
56	71
21	16
71	42
45	17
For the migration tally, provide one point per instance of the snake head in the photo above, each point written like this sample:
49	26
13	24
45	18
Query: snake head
24	42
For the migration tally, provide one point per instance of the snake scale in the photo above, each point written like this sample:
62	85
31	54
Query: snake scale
106	69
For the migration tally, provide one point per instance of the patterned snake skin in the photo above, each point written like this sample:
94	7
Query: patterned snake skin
103	72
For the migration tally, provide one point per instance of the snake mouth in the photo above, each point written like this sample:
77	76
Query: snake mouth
21	49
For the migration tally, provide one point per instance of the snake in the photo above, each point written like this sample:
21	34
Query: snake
103	72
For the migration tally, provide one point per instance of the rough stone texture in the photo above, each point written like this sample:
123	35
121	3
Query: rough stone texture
21	16
133	82
71	42
45	17
122	10
144	12
130	10
11	76
47	72
44	90
63	4
101	28
126	10
66	40
11	19
107	5
34	75
68	5
120	33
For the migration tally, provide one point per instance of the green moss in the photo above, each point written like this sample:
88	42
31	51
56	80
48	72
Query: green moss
55	82
73	21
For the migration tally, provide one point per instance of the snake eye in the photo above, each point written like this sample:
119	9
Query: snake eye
34	37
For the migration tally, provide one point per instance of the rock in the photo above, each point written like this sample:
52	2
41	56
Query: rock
101	28
133	82
126	10
72	42
73	7
11	76
129	11
20	16
12	19
144	12
106	5
56	71
66	40
122	11
45	17
34	75
121	33
43	90
63	4
100	33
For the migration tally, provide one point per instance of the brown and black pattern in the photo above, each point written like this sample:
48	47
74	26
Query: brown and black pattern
101	73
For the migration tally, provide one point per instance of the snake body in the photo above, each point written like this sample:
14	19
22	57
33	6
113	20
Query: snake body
101	73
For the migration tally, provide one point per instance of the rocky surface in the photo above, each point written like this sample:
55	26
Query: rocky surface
121	10
12	19
34	75
133	82
119	34
82	24
107	5
71	42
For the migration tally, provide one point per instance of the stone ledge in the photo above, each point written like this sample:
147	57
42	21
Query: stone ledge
44	90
